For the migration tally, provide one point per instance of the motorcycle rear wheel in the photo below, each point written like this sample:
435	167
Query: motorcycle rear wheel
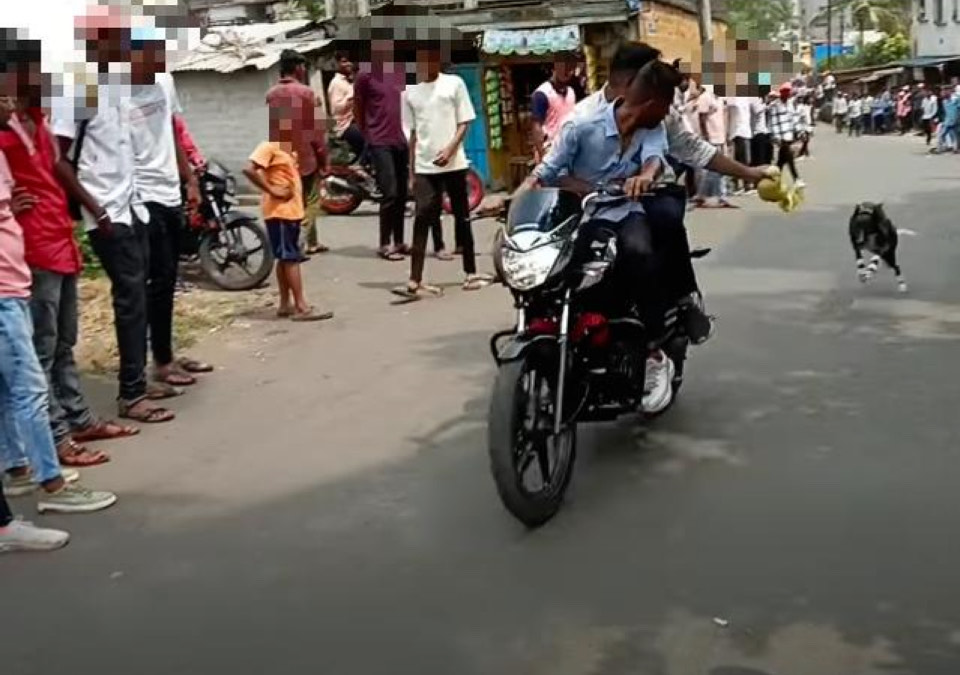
339	203
475	193
520	435
223	250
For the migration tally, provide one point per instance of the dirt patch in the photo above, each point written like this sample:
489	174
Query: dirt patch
197	314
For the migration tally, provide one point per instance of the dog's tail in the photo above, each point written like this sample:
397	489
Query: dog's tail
904	232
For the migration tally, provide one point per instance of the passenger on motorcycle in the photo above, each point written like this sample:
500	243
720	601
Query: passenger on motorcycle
625	142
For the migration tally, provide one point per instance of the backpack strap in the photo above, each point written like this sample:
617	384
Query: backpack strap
78	143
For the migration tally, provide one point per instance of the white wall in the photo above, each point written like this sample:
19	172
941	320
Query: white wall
933	39
226	114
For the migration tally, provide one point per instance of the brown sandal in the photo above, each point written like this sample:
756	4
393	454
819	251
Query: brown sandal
192	366
70	453
100	430
145	412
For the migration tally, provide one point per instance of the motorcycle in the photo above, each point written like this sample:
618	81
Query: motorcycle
232	248
348	185
574	356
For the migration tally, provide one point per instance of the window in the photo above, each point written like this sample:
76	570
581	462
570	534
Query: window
956	11
922	10
938	12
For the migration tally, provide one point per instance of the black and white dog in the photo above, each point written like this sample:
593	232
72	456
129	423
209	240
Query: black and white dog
872	231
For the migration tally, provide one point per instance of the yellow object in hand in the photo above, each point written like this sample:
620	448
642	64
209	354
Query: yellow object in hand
773	190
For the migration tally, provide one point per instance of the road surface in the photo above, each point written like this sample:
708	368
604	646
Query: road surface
323	502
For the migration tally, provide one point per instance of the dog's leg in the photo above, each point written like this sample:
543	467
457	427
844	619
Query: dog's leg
890	258
861	264
872	267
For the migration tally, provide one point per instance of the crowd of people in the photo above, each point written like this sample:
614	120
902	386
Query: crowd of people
932	111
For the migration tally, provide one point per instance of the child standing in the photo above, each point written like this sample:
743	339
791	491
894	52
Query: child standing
273	169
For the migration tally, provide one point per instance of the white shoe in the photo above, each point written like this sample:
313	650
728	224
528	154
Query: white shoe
800	185
24	485
658	383
20	535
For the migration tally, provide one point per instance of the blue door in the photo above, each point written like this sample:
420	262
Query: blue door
475	144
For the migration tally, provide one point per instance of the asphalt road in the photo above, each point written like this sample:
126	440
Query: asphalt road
323	503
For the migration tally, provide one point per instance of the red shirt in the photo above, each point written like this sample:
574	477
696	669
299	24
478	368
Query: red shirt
299	101
379	96
194	156
47	227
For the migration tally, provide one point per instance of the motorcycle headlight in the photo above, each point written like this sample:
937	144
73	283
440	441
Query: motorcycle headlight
524	270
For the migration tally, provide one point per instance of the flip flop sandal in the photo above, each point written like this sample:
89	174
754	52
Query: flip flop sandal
146	415
476	282
414	293
311	315
444	256
391	256
193	366
72	454
176	378
157	391
98	431
284	313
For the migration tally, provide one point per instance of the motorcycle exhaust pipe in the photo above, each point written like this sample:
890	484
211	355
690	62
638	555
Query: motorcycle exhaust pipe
338	184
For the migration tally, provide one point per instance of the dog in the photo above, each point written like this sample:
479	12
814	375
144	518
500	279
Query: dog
872	231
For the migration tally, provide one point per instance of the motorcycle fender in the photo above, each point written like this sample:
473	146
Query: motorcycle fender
517	347
231	218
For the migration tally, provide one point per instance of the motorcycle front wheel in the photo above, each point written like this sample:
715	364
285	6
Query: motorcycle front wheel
238	258
531	465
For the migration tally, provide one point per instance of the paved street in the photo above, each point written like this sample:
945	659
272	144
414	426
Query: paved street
323	504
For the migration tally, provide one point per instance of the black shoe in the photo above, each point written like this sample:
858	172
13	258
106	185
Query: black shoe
699	325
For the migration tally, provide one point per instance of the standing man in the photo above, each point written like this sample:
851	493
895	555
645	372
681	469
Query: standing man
904	109
855	115
377	91
99	174
840	109
929	108
712	126
161	167
550	105
40	205
740	133
761	149
783	127
311	144
437	110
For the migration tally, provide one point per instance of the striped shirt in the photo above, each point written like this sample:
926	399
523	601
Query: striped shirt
783	121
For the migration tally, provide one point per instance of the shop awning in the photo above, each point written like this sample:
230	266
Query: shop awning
532	41
880	74
927	61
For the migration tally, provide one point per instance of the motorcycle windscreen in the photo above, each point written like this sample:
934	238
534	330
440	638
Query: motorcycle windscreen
540	210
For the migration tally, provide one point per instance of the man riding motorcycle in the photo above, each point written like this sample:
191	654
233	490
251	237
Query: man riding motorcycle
625	142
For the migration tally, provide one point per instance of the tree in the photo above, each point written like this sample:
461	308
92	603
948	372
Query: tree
764	19
889	16
316	10
890	49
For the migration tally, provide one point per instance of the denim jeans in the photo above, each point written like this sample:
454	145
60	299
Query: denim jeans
53	307
163	229
711	183
25	437
125	256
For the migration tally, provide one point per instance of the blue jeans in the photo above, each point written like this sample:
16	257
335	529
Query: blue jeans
946	137
25	436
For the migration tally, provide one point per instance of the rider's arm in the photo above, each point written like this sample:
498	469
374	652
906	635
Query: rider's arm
559	161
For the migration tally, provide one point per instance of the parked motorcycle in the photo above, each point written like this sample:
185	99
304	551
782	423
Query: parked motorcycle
574	356
232	247
348	185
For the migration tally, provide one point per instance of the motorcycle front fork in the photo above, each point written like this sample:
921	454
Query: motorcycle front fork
562	371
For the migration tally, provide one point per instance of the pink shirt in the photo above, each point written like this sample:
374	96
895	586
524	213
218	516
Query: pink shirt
340	93
558	108
711	106
14	272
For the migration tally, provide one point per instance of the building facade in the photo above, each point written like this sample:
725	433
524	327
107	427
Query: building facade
673	27
936	28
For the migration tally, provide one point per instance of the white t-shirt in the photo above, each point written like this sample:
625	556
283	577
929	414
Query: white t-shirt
434	110
156	173
106	164
758	117
738	116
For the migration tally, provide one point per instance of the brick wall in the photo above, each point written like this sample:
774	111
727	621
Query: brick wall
673	31
226	114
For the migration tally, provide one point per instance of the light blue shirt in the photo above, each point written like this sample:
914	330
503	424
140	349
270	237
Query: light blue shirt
588	148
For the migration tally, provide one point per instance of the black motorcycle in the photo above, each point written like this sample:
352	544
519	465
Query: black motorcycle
232	247
574	356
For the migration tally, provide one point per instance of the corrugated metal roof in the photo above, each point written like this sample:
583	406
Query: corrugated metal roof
226	49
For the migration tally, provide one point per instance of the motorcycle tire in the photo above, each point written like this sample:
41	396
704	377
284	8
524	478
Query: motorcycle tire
340	204
475	193
211	268
505	421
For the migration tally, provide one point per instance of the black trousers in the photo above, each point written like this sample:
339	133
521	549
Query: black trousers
392	167
163	229
636	274
353	137
761	150
428	191
125	256
666	213
785	158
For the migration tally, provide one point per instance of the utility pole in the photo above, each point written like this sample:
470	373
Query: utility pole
829	32
705	14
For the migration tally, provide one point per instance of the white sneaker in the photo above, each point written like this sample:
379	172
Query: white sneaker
74	498
800	184
20	535
658	383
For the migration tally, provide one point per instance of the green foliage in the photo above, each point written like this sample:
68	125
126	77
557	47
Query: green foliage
316	10
91	263
889	16
888	50
763	19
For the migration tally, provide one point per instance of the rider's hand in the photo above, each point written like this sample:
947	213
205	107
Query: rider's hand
22	201
761	172
637	186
